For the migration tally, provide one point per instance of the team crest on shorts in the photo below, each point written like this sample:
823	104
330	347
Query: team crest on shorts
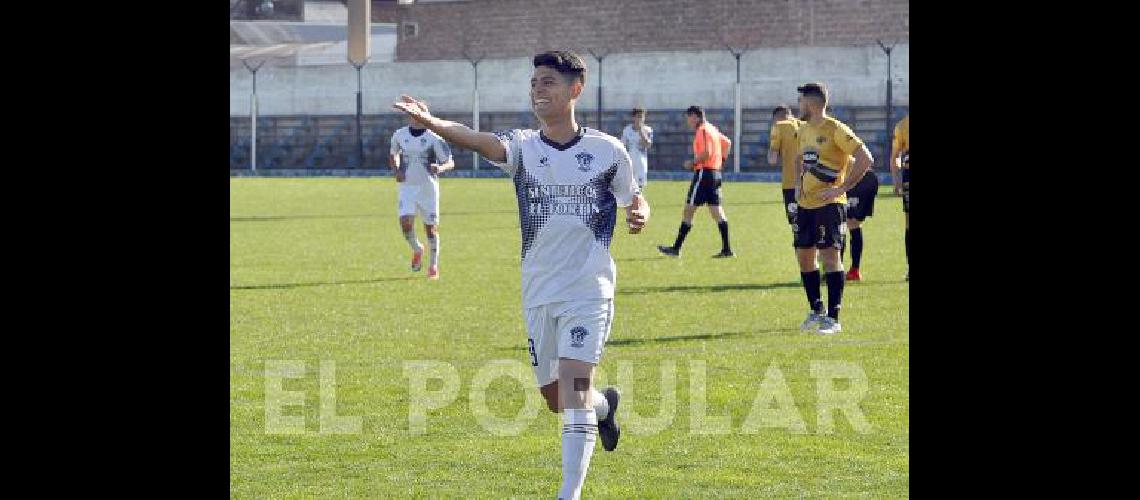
584	160
578	336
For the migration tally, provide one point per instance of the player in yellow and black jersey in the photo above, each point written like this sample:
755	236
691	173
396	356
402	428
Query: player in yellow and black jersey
900	161
784	148
826	173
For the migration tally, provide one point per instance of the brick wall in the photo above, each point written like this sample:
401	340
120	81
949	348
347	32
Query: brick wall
512	28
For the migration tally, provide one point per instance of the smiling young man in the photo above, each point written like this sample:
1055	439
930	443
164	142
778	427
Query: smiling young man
569	181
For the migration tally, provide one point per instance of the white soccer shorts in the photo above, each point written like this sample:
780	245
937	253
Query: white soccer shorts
423	199
575	329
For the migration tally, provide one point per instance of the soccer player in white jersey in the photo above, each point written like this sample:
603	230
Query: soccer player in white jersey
418	178
637	137
570	181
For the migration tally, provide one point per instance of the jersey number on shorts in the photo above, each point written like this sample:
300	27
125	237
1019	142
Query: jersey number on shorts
533	357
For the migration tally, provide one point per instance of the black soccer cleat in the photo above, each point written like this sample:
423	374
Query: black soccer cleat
724	254
608	429
670	251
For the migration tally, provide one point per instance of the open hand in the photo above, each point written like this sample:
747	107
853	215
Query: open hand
414	108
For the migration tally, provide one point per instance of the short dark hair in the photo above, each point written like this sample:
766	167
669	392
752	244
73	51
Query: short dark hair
814	89
696	110
781	109
567	63
637	111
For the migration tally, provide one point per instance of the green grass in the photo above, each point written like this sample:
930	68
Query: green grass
318	272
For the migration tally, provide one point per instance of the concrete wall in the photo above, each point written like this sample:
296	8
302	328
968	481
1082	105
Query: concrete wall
657	80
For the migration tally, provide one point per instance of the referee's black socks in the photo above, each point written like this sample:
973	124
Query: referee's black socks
681	234
724	246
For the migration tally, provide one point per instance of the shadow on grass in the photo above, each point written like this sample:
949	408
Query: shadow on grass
288	286
270	218
679	338
637	259
741	286
706	288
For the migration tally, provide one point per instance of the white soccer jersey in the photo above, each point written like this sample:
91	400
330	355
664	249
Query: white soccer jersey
415	158
568	199
638	156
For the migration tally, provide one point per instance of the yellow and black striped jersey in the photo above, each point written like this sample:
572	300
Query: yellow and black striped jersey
825	151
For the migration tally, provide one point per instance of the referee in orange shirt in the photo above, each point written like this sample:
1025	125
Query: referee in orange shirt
708	156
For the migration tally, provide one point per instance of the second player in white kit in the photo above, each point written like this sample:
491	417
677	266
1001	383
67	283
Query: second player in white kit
411	155
637	137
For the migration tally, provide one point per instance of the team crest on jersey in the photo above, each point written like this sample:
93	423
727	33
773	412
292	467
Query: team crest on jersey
423	141
544	162
578	336
820	140
584	160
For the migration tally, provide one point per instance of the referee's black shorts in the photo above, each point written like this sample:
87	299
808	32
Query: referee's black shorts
704	188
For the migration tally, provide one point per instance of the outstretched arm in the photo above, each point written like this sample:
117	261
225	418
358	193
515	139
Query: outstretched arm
484	143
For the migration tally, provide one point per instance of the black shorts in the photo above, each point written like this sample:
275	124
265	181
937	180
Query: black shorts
705	188
823	227
790	204
861	198
906	189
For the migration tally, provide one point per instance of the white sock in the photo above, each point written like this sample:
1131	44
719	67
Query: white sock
601	405
433	244
415	244
579	433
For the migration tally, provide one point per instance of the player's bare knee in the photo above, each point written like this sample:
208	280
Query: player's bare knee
806	258
430	229
853	223
575	381
830	258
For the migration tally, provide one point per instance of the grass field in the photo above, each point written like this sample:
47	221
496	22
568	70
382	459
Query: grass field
318	273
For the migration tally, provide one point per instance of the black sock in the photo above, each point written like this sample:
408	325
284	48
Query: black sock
723	226
856	246
811	286
907	240
681	234
835	281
